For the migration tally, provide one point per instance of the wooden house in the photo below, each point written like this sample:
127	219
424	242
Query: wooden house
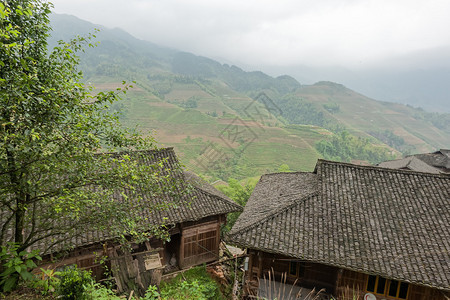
437	162
348	229
193	224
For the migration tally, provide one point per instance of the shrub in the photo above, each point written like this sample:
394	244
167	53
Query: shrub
185	290
16	266
74	283
96	291
192	284
151	293
48	281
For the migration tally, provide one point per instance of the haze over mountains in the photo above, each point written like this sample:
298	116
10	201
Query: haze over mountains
250	121
427	87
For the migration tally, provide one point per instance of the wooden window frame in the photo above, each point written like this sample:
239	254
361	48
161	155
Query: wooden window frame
299	269
387	287
199	244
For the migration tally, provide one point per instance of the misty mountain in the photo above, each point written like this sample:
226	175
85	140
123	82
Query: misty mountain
179	92
120	54
425	87
420	80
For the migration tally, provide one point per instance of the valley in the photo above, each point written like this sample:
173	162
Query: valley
225	122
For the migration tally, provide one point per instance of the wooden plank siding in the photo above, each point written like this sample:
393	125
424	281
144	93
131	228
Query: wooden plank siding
192	243
312	275
199	243
351	280
343	284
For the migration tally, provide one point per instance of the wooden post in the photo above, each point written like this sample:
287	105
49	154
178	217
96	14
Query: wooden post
217	237
250	266
338	281
260	260
181	261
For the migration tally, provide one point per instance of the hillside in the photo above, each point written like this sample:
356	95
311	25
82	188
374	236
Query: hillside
224	121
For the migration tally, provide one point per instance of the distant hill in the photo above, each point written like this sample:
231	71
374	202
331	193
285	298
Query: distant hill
224	121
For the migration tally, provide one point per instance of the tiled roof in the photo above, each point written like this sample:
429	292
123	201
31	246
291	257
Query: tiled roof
391	223
436	162
439	159
202	201
411	163
272	192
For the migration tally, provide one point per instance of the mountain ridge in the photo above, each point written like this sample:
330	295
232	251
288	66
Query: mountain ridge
192	100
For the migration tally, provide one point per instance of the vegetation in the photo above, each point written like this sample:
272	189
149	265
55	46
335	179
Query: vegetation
345	147
192	284
239	194
332	107
299	111
55	137
389	138
16	266
440	120
73	283
167	77
54	128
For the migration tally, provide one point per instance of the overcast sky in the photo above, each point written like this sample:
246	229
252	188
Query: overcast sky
350	33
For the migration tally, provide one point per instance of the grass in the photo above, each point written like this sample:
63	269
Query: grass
195	282
271	143
361	114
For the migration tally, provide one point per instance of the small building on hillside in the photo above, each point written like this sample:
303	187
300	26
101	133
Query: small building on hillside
376	232
193	223
437	162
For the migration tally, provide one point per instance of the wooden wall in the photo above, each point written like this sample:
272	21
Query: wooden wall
192	243
199	243
352	284
344	284
311	276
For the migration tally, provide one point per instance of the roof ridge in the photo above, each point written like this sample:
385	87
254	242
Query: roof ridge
155	150
219	198
276	212
379	169
294	172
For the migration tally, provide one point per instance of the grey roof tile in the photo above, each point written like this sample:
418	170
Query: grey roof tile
202	201
388	222
436	162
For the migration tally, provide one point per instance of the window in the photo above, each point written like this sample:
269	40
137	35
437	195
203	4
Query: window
296	269
391	288
200	244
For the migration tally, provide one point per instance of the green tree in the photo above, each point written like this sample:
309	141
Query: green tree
239	194
56	175
284	168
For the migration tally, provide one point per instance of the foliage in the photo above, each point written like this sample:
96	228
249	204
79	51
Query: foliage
332	107
284	168
48	282
346	147
74	283
186	290
298	111
56	173
439	120
195	283
96	291
190	103
16	265
152	293
390	138
202	67
239	194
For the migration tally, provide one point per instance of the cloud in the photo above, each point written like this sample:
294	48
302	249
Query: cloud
351	33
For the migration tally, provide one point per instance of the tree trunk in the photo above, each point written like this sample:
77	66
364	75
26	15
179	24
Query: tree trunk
20	199
20	220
